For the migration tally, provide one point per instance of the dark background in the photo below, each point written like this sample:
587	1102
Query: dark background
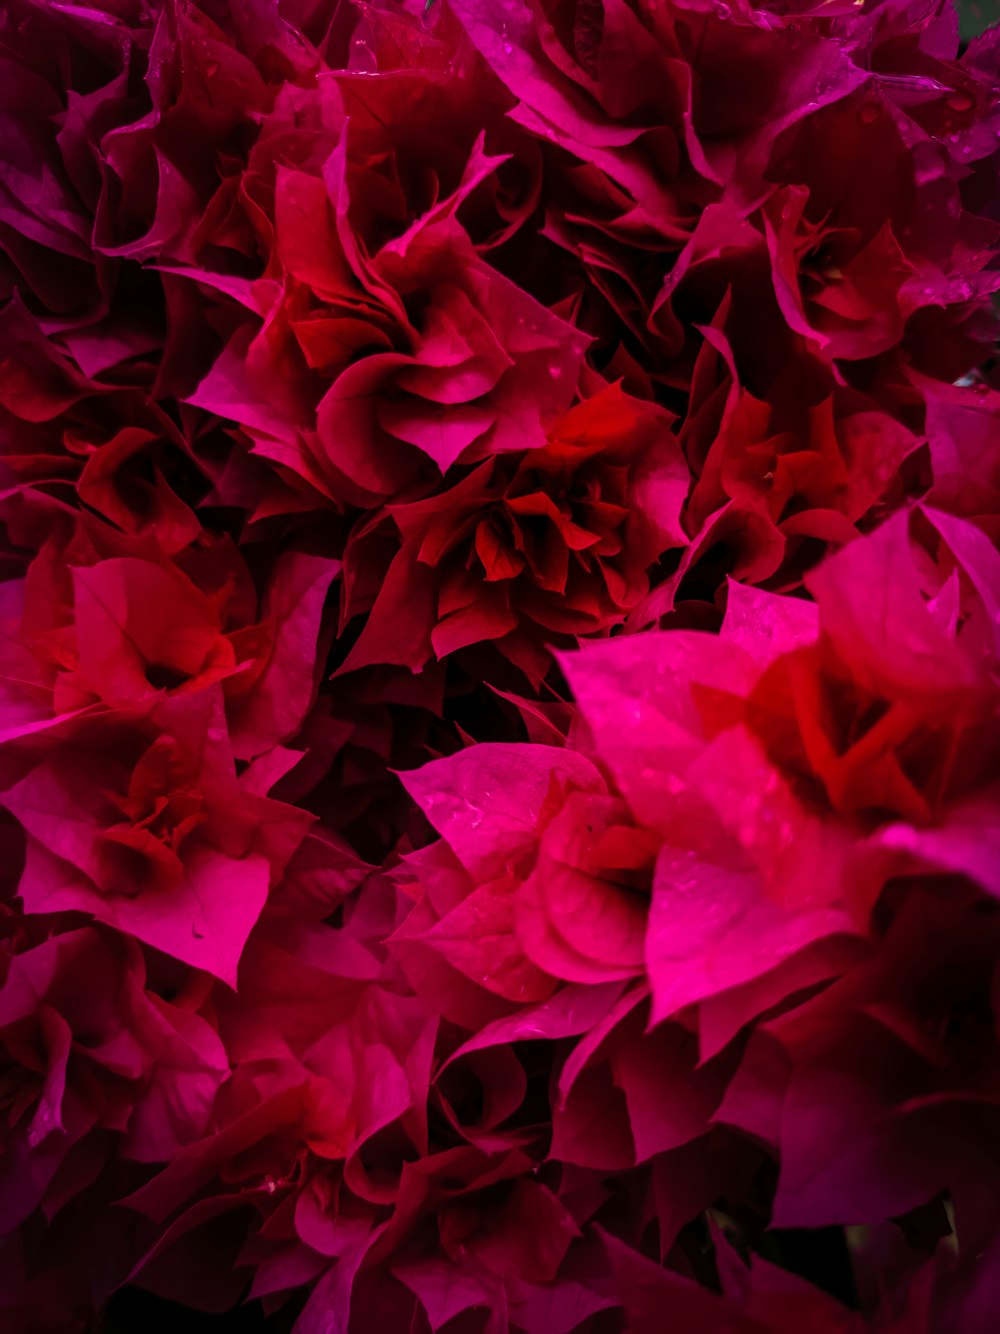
977	15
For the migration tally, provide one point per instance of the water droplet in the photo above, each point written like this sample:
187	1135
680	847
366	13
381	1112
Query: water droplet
959	101
507	48
870	112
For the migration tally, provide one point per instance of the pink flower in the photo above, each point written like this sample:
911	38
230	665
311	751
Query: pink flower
130	631
389	350
552	542
85	1050
325	1112
883	1066
778	481
484	910
149	829
67	439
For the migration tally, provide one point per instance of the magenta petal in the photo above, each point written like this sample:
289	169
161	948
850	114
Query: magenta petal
485	801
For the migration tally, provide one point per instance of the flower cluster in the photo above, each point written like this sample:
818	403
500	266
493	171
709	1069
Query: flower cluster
500	665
